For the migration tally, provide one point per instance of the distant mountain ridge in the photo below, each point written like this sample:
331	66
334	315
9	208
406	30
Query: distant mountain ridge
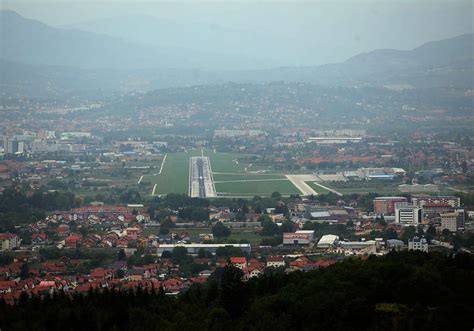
33	53
33	42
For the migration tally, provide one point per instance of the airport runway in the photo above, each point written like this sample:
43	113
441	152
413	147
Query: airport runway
201	180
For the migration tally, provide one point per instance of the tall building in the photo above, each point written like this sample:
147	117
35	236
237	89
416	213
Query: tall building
452	221
421	200
408	215
386	205
8	242
16	144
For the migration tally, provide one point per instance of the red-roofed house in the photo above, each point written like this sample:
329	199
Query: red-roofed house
39	239
239	262
73	241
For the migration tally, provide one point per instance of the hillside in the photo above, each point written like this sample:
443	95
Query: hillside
401	291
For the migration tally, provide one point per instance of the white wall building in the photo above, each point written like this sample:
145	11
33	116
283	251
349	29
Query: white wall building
8	242
418	244
408	215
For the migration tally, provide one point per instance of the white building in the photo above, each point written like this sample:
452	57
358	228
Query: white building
8	242
418	244
275	261
408	215
328	240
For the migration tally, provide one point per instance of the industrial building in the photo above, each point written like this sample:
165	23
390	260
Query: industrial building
300	237
327	241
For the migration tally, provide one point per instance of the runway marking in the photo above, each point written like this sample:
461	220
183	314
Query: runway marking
154	189
140	180
329	189
162	164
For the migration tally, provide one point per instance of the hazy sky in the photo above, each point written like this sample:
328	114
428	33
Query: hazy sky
312	32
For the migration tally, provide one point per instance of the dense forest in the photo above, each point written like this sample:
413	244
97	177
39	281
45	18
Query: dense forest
400	291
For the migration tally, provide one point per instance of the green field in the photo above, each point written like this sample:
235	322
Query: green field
174	177
244	176
317	188
235	176
285	187
231	171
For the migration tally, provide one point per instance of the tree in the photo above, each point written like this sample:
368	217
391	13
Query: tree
287	226
233	296
201	253
431	232
24	271
121	255
391	234
180	255
269	228
408	233
220	230
276	195
120	273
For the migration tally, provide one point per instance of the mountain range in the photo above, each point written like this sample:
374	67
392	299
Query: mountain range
36	58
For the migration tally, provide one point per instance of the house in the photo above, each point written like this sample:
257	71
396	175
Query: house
102	274
239	262
275	261
300	262
122	243
136	274
91	241
173	285
7	286
206	236
132	233
54	267
73	241
251	273
39	239
63	230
